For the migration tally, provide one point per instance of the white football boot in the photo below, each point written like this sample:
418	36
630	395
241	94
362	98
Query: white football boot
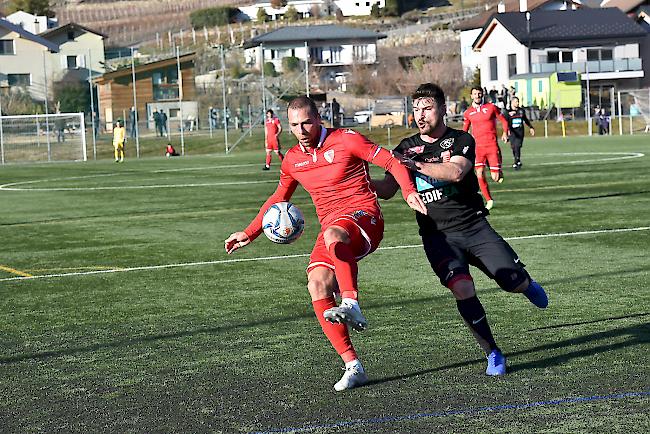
348	312
354	376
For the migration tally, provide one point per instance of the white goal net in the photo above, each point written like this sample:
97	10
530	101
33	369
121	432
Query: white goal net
52	137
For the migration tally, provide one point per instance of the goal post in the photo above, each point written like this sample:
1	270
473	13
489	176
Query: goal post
36	138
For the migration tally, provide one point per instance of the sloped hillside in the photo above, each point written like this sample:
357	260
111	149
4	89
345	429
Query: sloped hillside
131	21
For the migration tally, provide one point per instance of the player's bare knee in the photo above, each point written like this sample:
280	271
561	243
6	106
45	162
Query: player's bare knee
463	288
335	233
321	283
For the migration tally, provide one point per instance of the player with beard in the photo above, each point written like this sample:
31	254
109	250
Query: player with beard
481	117
455	232
332	165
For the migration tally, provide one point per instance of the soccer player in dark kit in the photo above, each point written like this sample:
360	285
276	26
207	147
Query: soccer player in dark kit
455	232
516	118
332	165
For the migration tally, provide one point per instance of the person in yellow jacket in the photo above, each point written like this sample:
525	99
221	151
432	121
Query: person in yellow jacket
119	137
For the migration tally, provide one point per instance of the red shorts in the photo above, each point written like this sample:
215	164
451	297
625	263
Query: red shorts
365	230
489	156
272	144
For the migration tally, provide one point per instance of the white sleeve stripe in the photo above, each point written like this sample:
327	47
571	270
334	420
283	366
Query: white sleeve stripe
376	152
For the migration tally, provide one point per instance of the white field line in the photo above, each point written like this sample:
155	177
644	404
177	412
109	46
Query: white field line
625	156
137	187
12	186
302	255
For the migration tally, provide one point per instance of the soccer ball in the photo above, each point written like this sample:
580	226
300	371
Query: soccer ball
283	223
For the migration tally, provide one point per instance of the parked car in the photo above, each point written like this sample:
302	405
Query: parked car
363	116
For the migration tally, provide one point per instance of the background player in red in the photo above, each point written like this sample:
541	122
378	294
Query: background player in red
272	130
482	119
332	165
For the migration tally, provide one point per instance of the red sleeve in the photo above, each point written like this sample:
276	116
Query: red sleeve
363	148
401	174
502	119
466	121
277	121
286	187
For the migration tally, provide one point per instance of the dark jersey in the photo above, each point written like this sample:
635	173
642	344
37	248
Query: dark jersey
516	120
450	205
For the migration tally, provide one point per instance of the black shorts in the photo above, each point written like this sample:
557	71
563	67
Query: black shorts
451	253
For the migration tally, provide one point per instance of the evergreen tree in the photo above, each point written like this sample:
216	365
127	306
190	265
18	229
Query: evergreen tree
291	14
36	7
392	8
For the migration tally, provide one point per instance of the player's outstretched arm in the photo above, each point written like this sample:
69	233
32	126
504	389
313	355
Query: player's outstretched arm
235	241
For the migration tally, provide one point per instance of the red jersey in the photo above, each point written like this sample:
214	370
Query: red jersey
483	122
272	126
335	174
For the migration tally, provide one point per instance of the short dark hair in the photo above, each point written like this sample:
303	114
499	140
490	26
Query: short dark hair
303	101
269	111
430	90
480	89
514	97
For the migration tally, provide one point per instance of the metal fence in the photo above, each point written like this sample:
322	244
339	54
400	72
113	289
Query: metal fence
53	137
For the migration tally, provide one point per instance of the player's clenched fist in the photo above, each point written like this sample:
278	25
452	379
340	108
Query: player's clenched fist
236	241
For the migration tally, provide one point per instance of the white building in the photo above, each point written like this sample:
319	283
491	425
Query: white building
25	60
306	8
471	28
32	23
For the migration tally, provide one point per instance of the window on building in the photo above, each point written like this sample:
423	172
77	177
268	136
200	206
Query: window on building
553	57
70	36
165	84
493	69
540	86
512	65
19	79
6	46
600	54
335	54
567	57
72	62
360	53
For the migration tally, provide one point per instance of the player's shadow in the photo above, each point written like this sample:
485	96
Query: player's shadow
599	342
227	328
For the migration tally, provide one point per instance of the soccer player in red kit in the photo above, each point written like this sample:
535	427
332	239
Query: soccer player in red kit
482	118
332	165
272	130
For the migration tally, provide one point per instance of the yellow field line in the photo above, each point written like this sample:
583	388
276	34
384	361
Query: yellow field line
12	271
97	267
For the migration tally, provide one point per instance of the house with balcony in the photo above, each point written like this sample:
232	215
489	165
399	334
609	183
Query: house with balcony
333	49
470	28
157	87
604	47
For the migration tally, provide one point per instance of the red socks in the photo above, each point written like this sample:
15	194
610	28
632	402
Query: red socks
280	156
336	333
346	269
485	190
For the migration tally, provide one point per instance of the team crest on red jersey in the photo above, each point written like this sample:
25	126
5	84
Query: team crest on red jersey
329	155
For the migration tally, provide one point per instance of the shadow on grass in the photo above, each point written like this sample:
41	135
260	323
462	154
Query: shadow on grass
600	342
601	196
298	317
